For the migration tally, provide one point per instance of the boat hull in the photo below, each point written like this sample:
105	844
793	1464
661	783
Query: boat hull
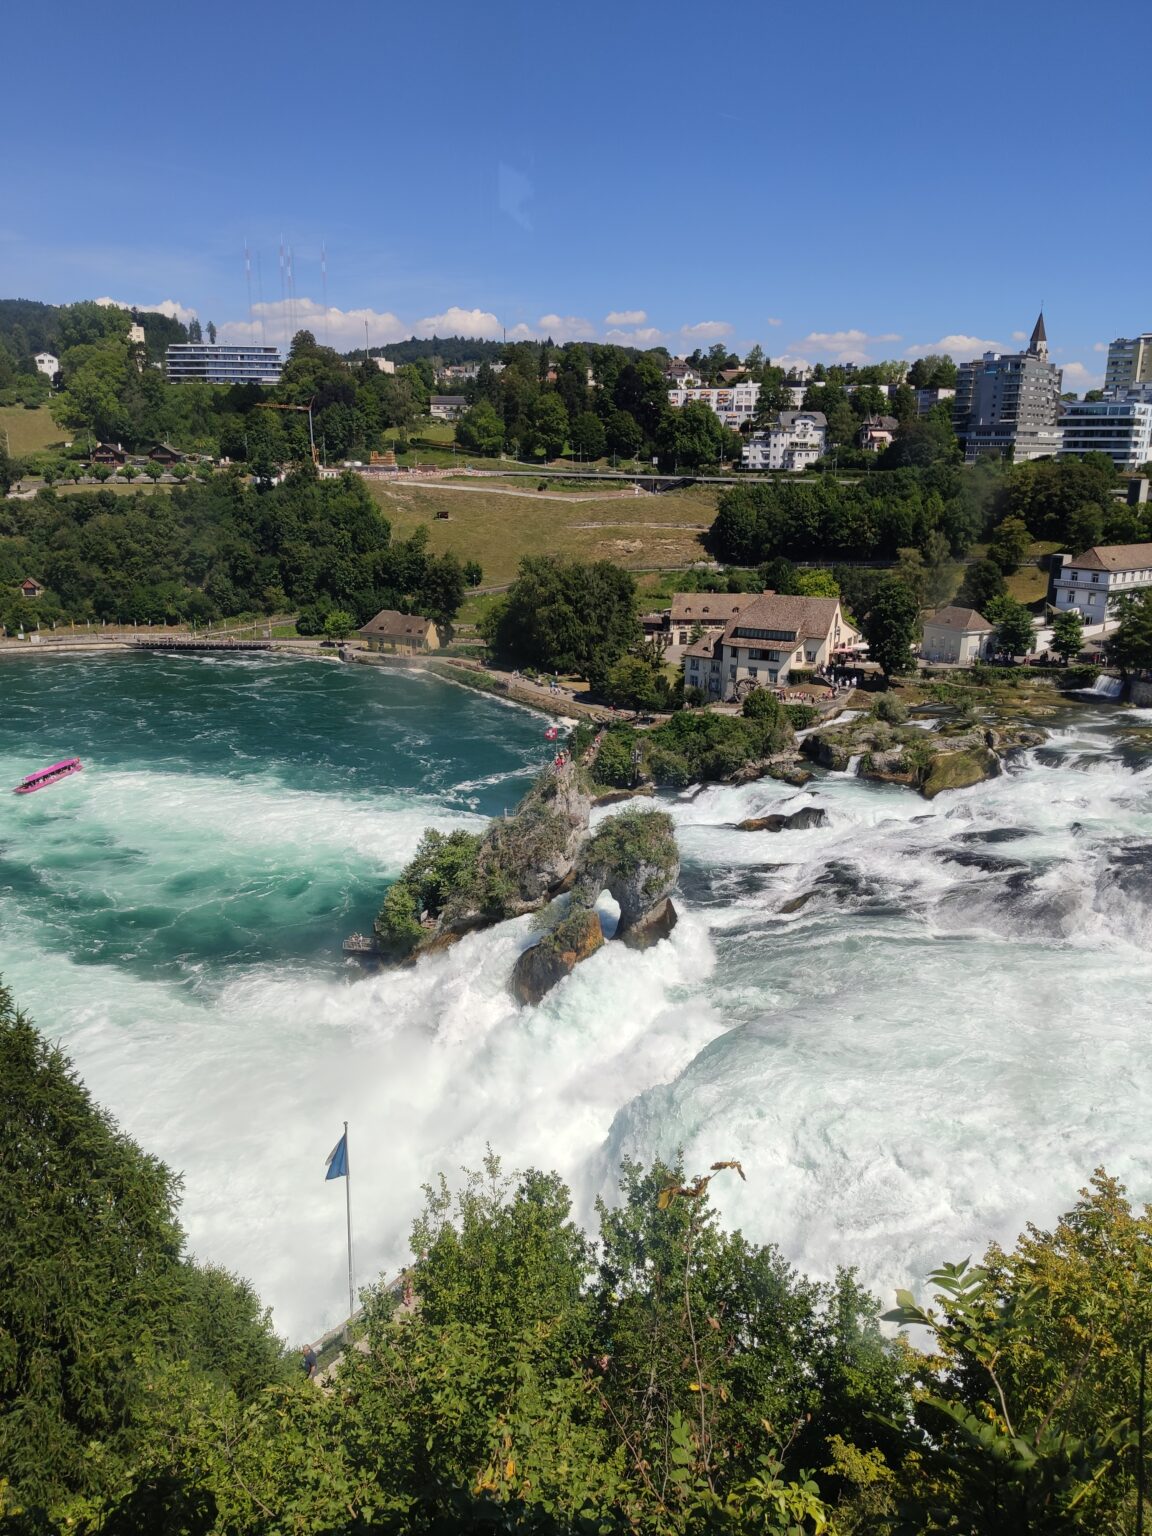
46	779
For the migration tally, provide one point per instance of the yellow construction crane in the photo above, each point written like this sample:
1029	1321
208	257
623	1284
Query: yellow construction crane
273	405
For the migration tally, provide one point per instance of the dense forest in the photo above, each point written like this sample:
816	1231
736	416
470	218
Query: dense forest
1068	501
219	548
658	1374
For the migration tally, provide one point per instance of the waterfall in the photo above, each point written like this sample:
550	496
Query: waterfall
1104	687
853	767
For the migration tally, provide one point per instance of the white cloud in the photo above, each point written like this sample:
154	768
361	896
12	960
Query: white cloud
339	328
850	346
643	336
461	322
1099	346
1019	335
772	320
1078	377
566	327
626	317
958	346
168	307
706	330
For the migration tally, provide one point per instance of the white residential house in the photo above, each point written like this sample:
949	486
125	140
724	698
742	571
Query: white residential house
793	442
385	364
735	404
447	407
136	336
877	432
47	364
957	635
681	375
1090	582
762	644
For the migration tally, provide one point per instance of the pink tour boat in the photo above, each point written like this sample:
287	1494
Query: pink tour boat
46	776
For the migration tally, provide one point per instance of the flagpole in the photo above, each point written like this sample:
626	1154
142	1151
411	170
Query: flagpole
348	1206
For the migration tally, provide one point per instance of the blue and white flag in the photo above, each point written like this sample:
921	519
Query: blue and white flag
337	1160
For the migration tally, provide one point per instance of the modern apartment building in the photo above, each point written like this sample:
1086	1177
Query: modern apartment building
1129	362
1090	581
1120	425
733	403
794	441
1009	403
223	363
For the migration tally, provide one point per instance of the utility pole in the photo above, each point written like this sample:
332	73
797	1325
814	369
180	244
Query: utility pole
1140	1445
348	1208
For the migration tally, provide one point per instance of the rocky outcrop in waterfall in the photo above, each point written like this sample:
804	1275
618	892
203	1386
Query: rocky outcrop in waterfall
460	882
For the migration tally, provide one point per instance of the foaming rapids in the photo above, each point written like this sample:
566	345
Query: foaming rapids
918	1026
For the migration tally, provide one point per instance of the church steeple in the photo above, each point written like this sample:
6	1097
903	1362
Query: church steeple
1038	346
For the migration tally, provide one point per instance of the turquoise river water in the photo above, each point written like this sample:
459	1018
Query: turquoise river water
941	1044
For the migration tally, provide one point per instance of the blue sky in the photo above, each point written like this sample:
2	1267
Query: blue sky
833	180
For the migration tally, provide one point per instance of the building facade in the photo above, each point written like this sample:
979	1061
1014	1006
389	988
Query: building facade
223	363
447	407
877	432
735	404
1120	425
1092	581
1129	362
793	442
765	642
957	635
47	363
1009	403
401	634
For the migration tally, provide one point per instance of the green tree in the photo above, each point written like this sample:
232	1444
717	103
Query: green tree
589	439
550	425
339	624
565	616
890	627
983	581
624	435
96	1299
936	371
480	429
1014	634
1067	635
634	683
1009	544
817	584
691	437
1130	644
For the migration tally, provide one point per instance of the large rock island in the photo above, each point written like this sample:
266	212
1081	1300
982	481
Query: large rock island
463	881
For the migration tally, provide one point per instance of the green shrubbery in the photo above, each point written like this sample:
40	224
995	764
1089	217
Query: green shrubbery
659	1375
445	869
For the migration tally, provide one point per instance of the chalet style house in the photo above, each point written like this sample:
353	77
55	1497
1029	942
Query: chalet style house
765	642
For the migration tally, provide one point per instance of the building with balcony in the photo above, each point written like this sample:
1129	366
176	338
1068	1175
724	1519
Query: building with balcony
223	363
1129	362
1120	425
735	404
1091	582
1008	403
794	441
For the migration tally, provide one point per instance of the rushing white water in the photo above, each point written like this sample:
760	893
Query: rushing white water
938	1042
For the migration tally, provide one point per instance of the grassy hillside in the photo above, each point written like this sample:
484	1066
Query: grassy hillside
499	526
29	431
